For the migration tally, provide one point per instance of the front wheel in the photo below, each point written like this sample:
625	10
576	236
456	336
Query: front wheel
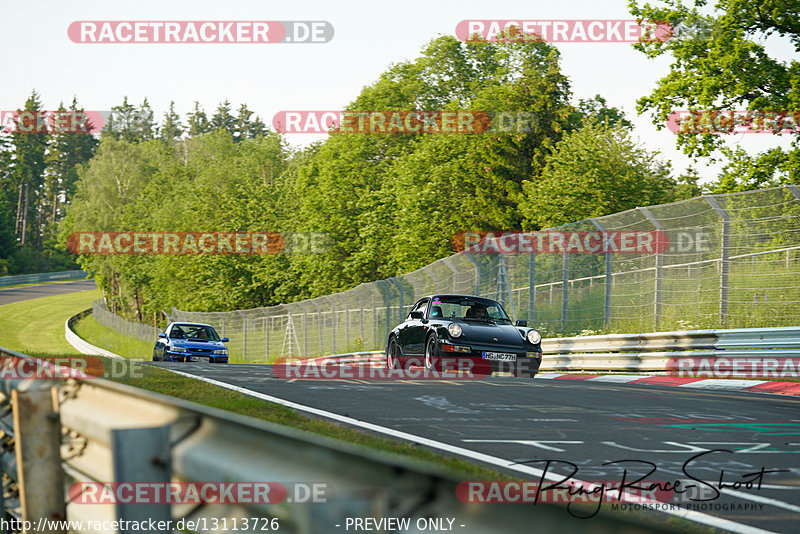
430	352
391	354
155	358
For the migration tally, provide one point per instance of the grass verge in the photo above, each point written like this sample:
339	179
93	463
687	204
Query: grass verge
101	336
37	325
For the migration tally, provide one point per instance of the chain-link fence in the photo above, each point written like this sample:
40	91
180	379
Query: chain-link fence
732	261
105	317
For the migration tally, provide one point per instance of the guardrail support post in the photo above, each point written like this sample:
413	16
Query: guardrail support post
659	273
37	432
724	258
142	455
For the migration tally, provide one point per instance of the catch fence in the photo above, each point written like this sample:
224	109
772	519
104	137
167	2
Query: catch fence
733	261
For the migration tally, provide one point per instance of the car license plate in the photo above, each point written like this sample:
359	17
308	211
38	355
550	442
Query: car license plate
500	356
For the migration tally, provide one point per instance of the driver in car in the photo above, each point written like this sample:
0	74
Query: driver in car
477	312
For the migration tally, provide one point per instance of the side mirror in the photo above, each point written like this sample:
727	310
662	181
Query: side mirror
224	340
162	334
416	314
521	322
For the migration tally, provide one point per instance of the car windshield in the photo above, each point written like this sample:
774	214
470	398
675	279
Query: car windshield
469	309
194	332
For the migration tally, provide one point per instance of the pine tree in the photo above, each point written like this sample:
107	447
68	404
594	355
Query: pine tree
27	173
172	128
198	122
222	118
146	124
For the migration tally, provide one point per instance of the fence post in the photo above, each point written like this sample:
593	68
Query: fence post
724	257
609	277
659	275
267	325
305	332
244	338
477	265
386	291
531	288
564	290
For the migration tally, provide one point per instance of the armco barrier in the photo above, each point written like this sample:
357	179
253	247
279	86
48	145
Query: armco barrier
101	431
41	277
661	352
81	345
658	352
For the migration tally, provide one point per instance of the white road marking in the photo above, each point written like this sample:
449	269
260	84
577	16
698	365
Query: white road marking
689	515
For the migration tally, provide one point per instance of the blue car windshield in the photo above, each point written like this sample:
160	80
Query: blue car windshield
194	332
468	309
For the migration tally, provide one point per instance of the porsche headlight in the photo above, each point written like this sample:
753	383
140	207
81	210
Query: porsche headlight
454	329
534	337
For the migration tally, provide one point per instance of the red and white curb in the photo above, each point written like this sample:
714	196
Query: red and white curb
758	386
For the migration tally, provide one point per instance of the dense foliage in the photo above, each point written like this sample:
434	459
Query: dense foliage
386	203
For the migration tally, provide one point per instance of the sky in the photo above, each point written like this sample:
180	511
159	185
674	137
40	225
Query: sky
368	37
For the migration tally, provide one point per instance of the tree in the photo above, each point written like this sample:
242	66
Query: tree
722	63
247	128
171	129
27	170
198	122
595	171
67	151
222	118
597	110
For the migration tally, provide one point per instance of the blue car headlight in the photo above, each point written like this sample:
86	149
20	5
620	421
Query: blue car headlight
222	352
179	349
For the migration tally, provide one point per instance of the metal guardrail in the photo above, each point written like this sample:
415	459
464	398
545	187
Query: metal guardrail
658	352
62	432
41	277
80	344
661	351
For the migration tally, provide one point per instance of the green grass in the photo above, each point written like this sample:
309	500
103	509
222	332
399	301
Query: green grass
37	325
101	336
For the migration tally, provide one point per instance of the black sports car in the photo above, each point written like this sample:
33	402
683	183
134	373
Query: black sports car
463	327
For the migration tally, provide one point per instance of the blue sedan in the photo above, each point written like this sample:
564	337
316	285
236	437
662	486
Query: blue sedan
190	342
